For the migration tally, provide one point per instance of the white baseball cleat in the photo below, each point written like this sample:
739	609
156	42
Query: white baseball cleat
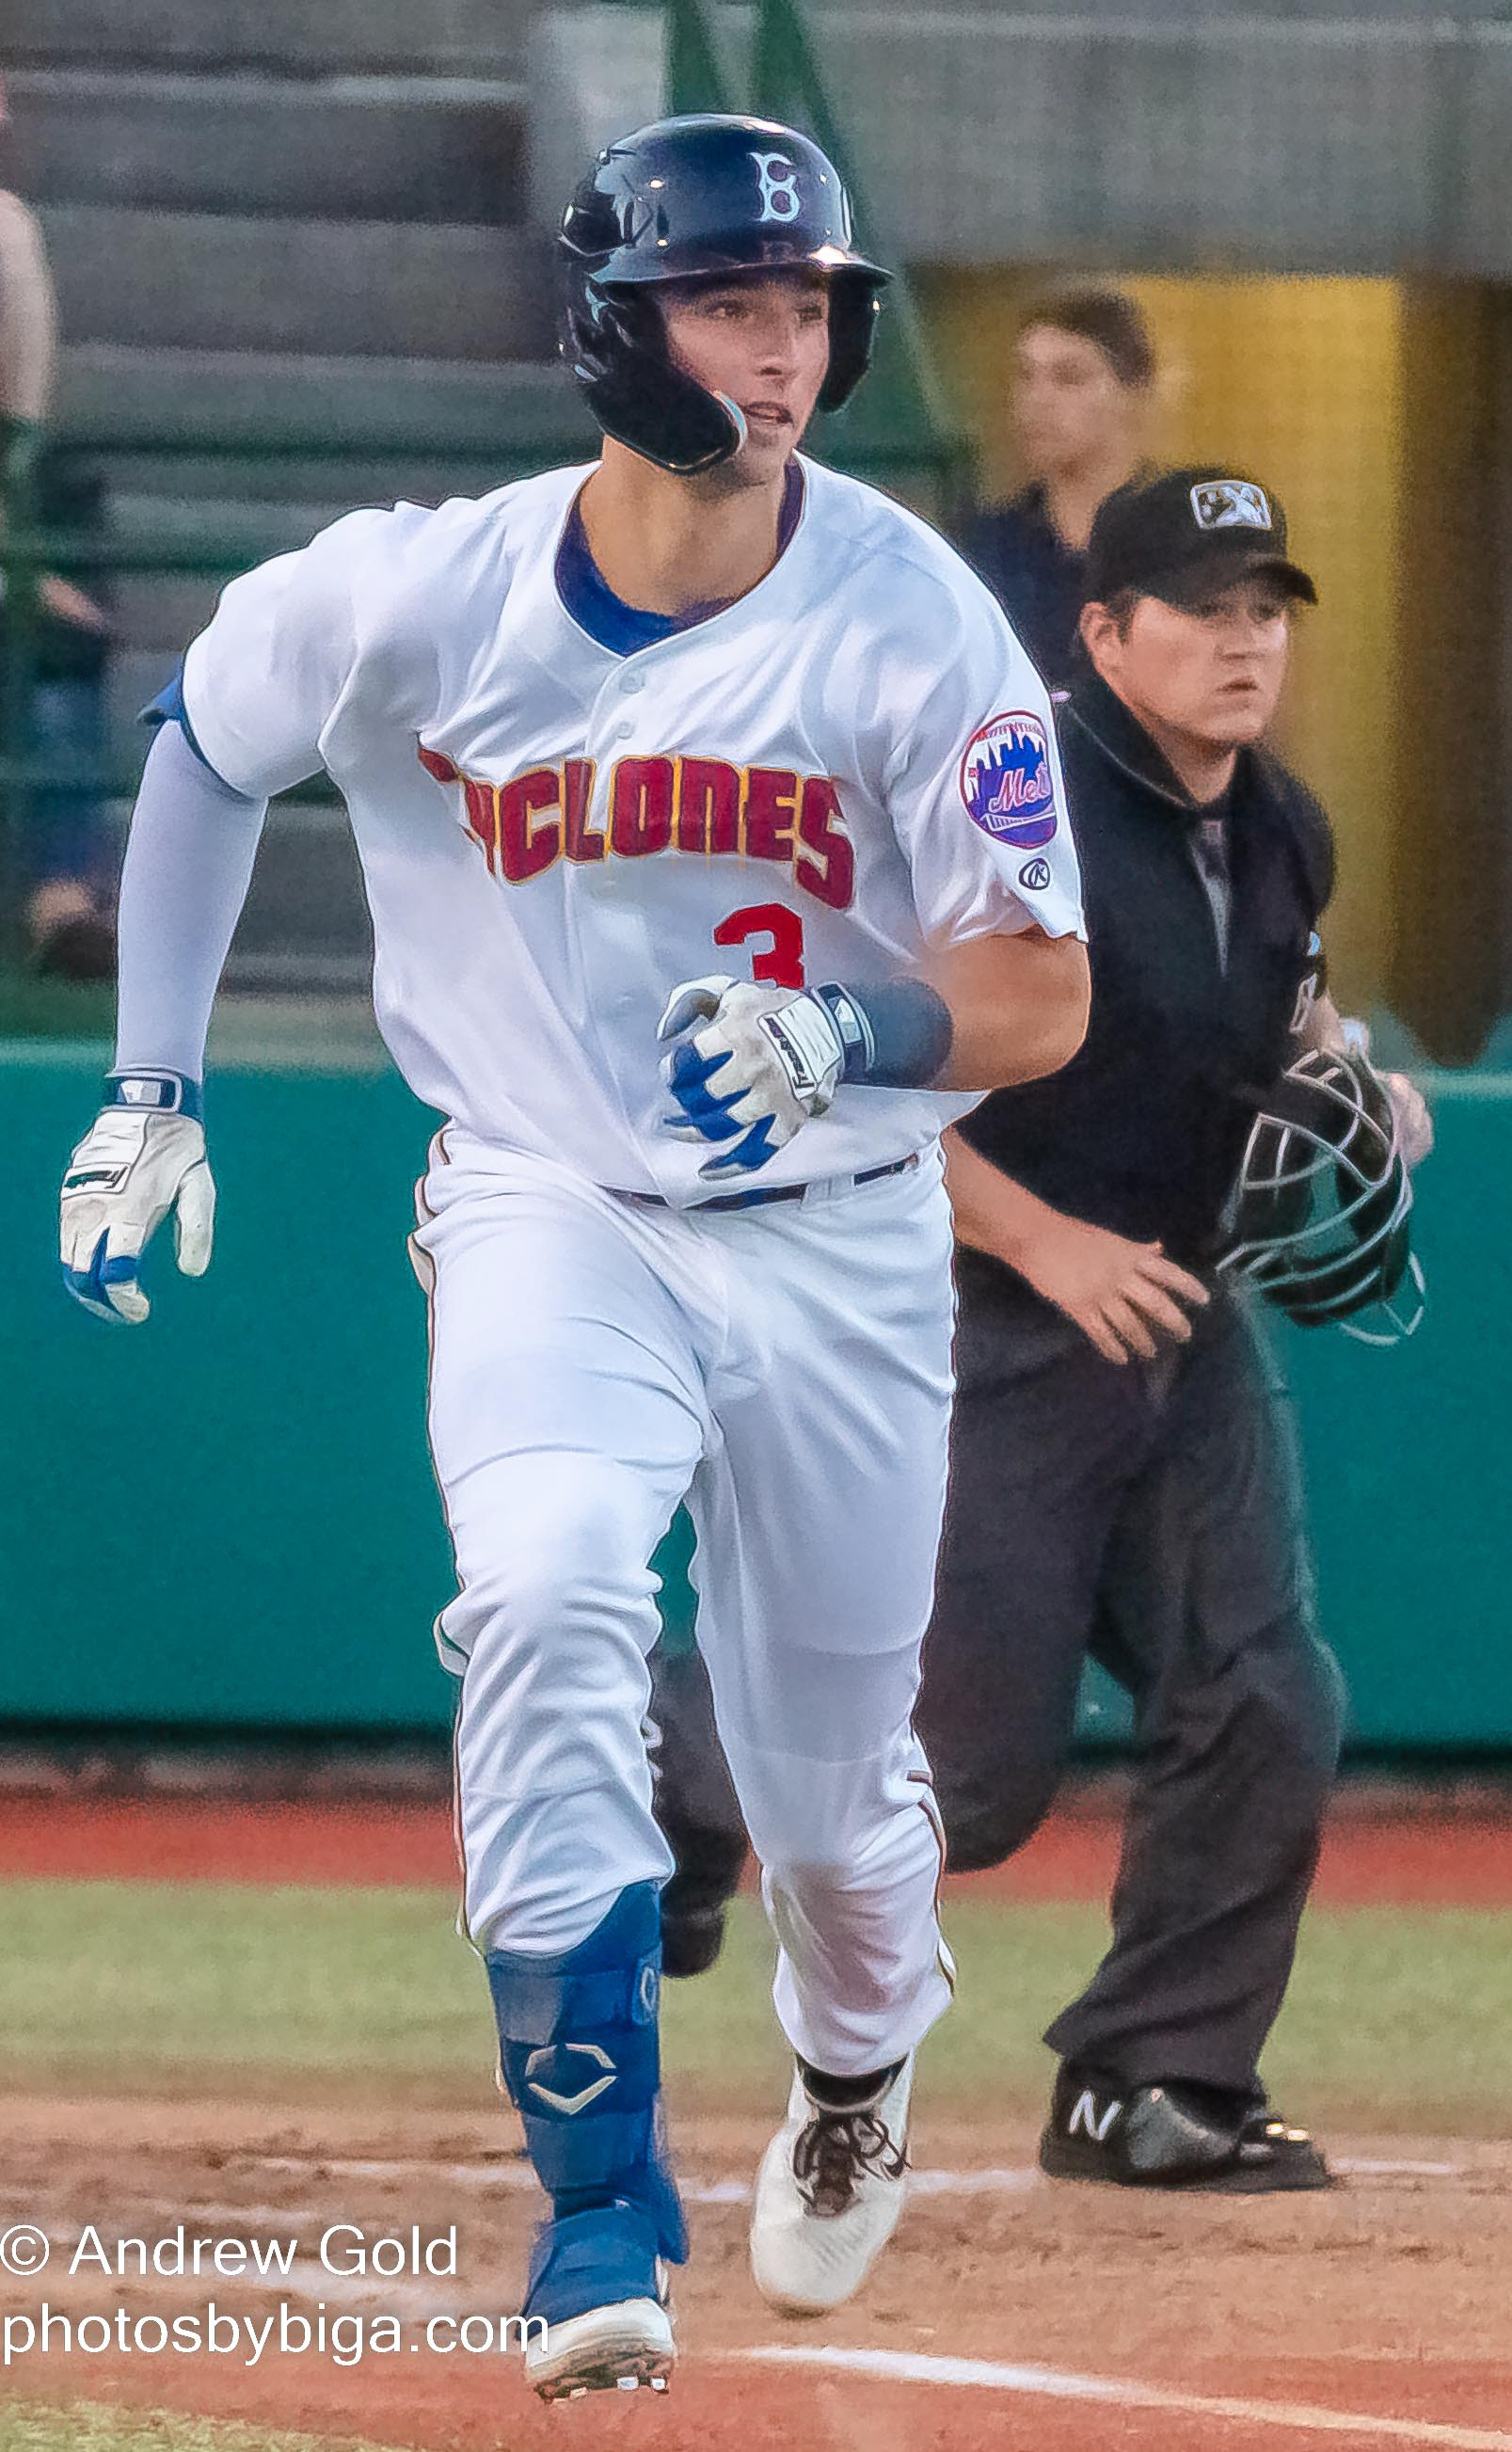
597	2301
828	2196
606	2349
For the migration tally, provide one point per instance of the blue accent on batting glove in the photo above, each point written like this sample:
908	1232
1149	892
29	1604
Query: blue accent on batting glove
752	1152
159	1093
593	2259
87	1285
581	2055
687	1078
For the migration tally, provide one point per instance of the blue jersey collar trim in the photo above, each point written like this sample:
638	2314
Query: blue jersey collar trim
625	628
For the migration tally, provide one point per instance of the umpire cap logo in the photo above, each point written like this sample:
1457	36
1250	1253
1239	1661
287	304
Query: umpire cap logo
1229	503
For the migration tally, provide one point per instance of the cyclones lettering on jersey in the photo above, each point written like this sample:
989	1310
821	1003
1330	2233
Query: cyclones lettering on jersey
704	805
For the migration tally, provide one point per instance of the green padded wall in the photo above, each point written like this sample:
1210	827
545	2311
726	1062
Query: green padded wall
228	1517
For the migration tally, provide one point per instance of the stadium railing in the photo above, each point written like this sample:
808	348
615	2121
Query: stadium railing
896	430
898	427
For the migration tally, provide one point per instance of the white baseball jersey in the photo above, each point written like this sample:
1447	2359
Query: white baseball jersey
853	762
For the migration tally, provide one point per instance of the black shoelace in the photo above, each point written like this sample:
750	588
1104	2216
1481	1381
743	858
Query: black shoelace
832	2150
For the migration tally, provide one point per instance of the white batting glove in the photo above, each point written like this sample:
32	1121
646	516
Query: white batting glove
143	1157
767	1059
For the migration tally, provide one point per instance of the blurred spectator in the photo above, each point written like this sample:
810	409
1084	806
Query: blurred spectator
1083	371
63	856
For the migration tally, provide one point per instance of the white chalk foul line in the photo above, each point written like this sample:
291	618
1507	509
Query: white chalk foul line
1367	2166
1052	2384
923	2183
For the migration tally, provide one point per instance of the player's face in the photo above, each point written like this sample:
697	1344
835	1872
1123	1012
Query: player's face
763	341
1069	406
1210	670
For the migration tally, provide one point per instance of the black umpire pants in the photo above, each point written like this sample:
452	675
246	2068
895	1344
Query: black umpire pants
1147	1513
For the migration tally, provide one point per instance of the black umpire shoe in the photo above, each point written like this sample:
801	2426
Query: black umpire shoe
1174	2136
709	1865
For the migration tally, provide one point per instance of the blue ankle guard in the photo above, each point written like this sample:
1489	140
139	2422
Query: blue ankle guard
581	2054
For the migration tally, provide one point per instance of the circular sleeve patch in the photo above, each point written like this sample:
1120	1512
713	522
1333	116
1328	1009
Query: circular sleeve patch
1006	781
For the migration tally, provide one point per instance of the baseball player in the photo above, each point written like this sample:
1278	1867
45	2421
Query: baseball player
713	835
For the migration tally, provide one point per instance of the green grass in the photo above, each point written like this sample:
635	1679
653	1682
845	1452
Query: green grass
86	2429
1396	2015
134	1985
1396	2019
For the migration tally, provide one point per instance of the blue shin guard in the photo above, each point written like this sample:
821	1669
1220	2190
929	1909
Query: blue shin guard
581	2058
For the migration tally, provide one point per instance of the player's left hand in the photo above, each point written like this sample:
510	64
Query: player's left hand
766	1060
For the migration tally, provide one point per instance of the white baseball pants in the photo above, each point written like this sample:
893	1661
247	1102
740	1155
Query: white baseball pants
786	1370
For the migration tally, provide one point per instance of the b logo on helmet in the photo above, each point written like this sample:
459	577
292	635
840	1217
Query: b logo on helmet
1006	783
780	200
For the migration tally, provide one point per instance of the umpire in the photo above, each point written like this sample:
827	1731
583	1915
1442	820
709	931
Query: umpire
1123	1472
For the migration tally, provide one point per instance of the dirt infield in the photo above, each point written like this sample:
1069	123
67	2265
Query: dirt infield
1424	1859
1010	2312
1376	2314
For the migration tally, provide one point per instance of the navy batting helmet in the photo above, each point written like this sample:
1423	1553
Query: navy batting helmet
707	196
1320	1220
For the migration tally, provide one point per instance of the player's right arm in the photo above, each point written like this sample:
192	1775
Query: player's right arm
1004	993
188	865
257	689
1124	1296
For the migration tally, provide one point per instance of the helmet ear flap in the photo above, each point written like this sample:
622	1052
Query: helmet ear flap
615	344
854	305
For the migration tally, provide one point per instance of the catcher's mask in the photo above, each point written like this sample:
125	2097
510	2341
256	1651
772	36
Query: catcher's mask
1319	1218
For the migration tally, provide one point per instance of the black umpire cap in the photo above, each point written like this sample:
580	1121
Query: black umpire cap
1187	531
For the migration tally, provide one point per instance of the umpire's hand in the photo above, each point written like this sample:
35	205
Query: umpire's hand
1128	1298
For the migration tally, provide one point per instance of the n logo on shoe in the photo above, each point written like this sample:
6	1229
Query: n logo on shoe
569	2105
1083	2116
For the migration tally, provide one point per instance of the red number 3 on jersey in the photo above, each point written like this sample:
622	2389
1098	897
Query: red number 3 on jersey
778	964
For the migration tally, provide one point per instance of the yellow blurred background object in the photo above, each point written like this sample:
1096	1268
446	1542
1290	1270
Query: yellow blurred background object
1361	403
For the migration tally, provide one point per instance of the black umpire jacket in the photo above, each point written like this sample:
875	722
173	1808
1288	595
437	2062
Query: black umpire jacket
1143	1130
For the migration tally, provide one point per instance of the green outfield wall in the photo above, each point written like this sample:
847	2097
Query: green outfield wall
226	1518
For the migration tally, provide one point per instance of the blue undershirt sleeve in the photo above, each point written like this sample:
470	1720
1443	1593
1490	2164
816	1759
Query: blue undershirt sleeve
169	708
189	864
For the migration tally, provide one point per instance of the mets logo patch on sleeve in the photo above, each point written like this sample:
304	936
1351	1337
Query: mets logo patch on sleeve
1007	783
